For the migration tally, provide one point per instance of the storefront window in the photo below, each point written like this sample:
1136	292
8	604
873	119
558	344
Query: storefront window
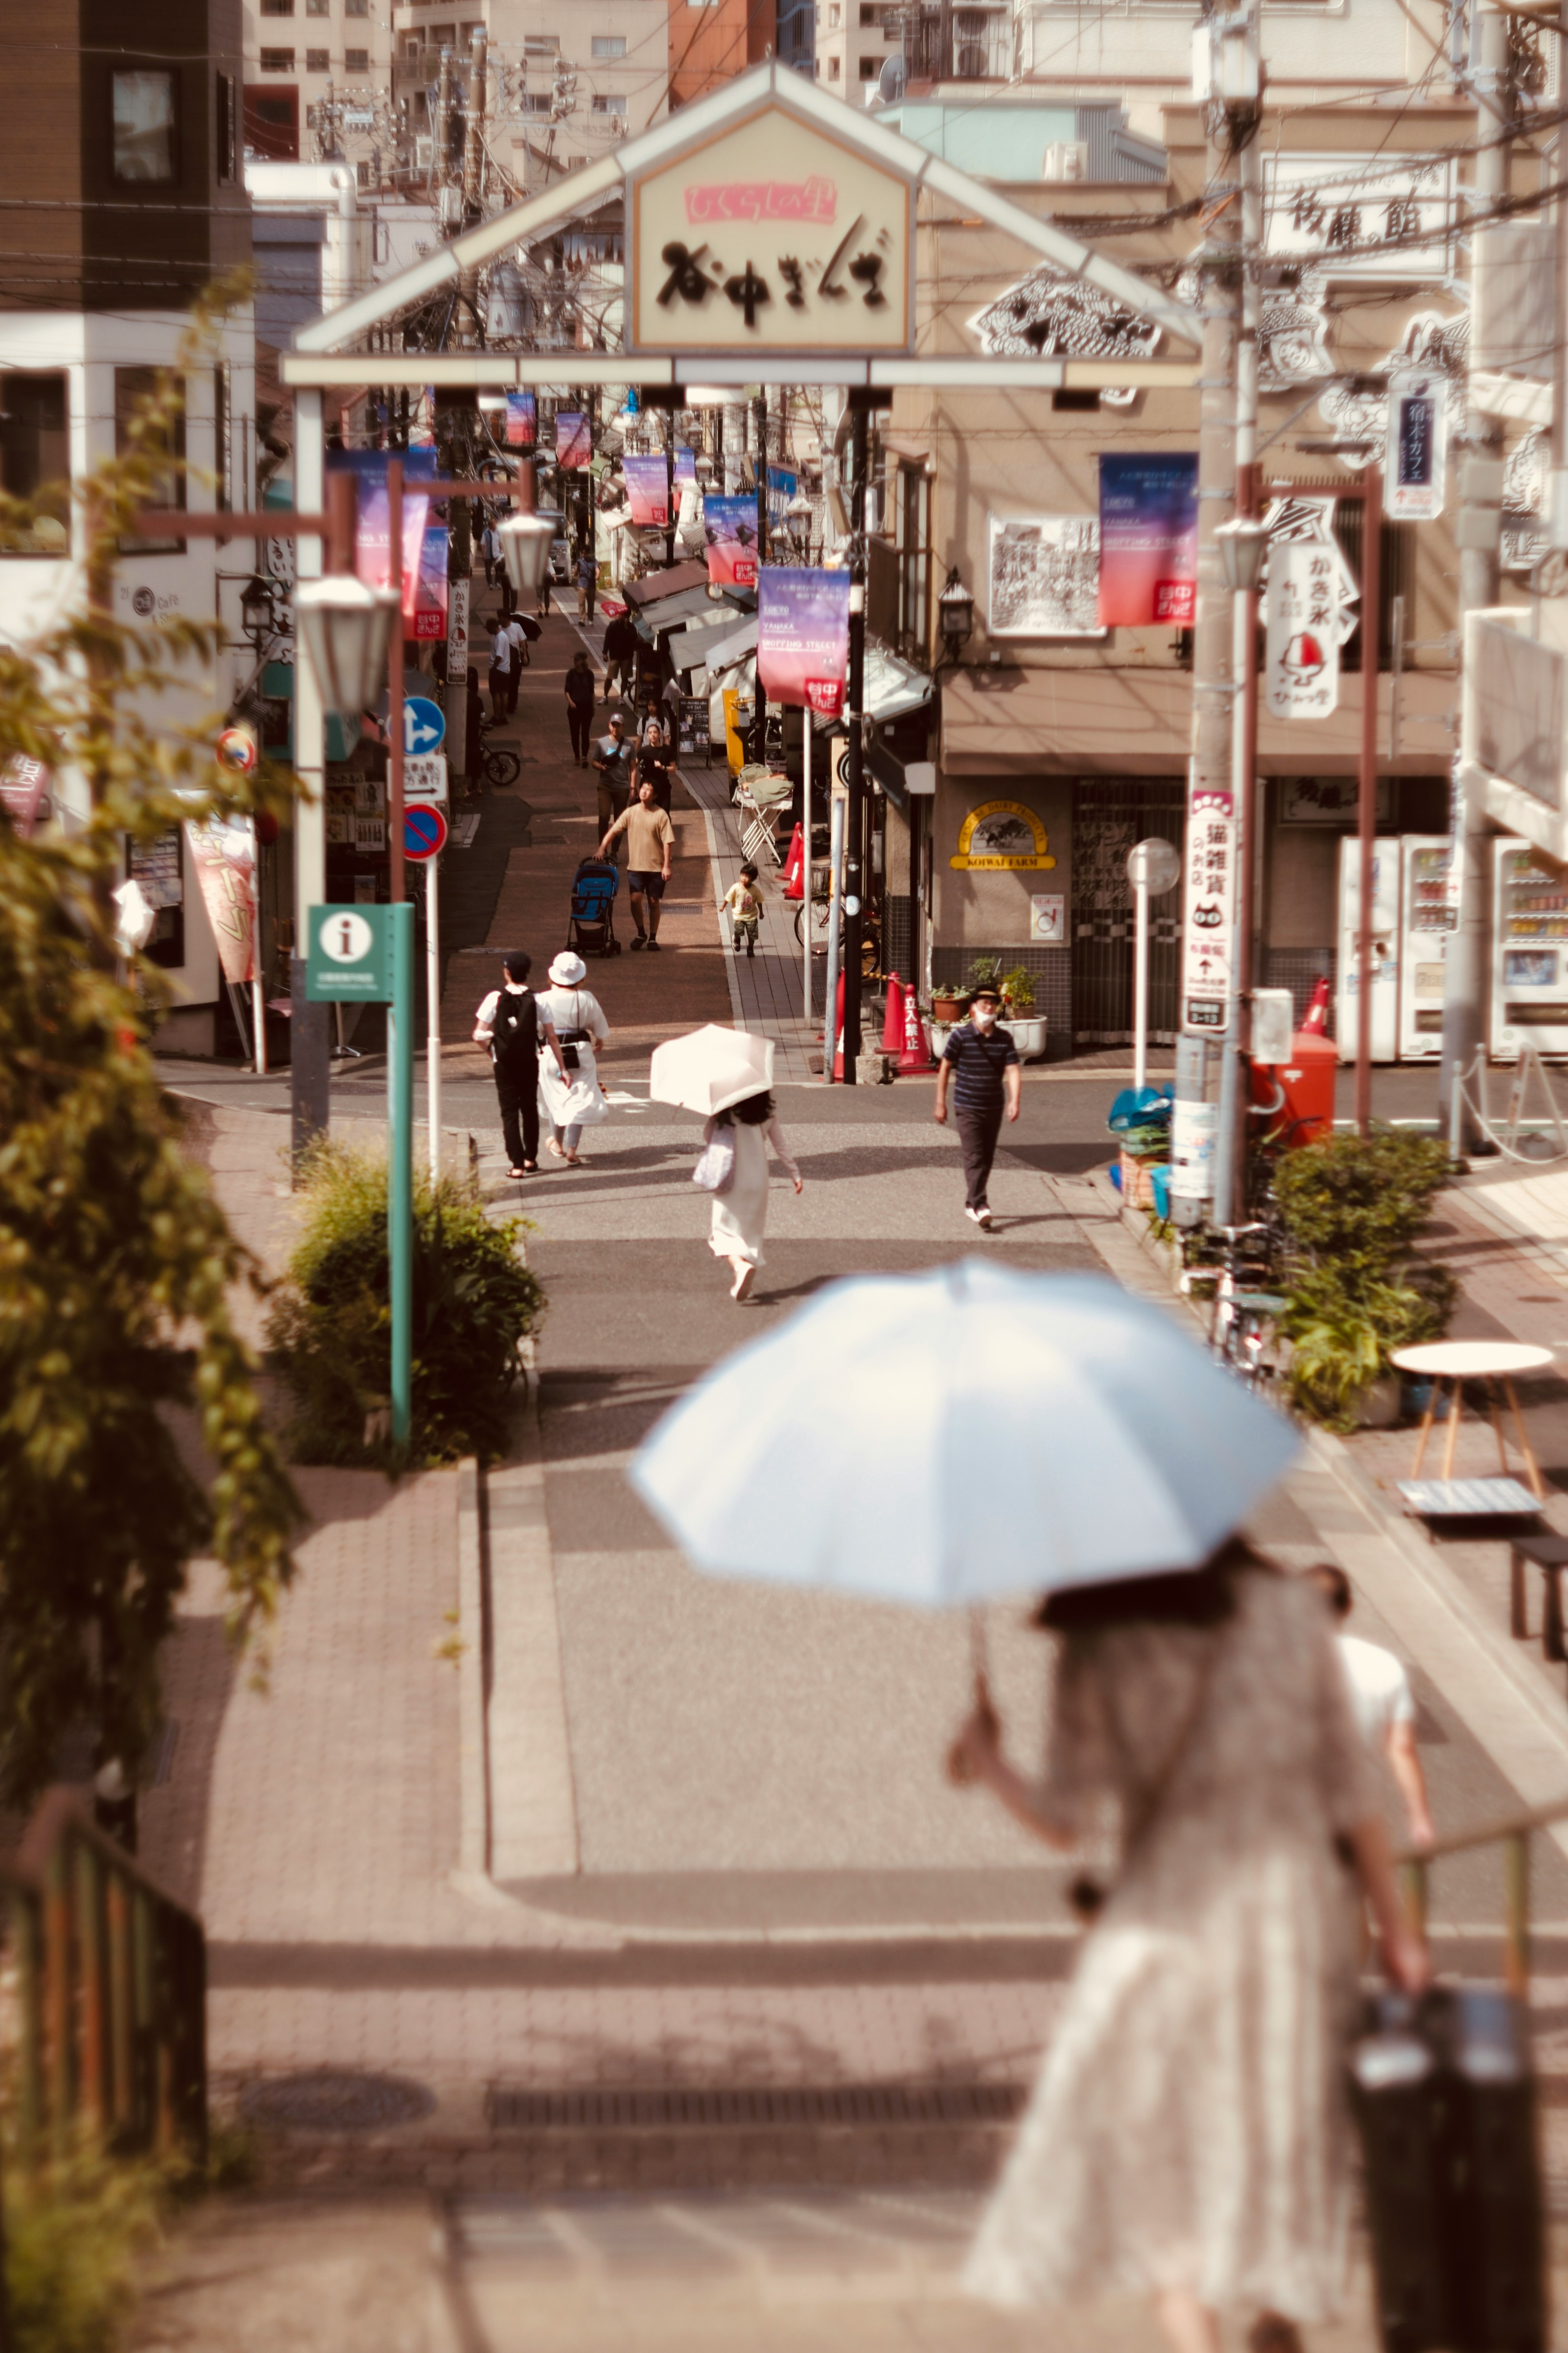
143	126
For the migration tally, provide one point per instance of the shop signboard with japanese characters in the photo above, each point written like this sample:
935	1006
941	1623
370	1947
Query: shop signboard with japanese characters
1301	672
1209	928
773	237
1382	215
1417	445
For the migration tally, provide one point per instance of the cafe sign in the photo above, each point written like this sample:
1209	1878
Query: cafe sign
774	235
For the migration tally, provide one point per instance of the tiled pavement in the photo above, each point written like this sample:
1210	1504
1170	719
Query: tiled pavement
767	989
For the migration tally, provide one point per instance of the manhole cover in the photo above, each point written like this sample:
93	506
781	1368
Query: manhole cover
326	2100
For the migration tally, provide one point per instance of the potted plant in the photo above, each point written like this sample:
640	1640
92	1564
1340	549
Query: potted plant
1354	1208
1028	1031
946	1001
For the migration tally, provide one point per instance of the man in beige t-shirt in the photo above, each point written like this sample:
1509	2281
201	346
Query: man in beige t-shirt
650	844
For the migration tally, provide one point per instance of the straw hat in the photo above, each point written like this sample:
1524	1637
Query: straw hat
568	971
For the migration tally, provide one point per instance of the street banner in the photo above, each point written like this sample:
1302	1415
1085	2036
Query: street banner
647	487
521	420
457	631
782	486
730	527
372	533
1301	668
685	466
430	594
24	793
1415	459
1148	540
223	855
802	636
573	441
1209	915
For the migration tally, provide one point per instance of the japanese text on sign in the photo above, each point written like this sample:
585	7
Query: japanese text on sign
815	256
1210	913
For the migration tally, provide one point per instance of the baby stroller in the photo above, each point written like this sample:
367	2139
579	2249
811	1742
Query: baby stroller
591	928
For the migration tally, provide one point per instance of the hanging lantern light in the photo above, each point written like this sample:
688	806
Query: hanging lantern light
345	628
525	543
956	612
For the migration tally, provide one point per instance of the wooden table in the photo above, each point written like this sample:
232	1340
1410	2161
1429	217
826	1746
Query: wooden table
1457	1361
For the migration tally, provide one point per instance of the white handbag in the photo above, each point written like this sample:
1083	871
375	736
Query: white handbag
715	1169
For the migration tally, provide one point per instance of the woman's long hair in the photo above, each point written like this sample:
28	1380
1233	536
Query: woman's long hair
1187	1596
754	1110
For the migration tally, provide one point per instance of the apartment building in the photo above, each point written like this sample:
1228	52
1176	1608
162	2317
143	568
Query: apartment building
563	82
134	148
318	81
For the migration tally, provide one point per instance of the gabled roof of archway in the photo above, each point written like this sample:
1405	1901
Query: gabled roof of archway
585	191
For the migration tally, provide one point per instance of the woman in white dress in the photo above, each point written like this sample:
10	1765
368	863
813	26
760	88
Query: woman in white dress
1186	2139
741	1214
575	1100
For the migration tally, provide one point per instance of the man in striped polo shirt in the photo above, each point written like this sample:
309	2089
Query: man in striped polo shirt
989	1078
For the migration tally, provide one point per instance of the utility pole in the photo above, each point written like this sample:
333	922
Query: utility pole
441	144
855	764
759	716
1478	536
1211	780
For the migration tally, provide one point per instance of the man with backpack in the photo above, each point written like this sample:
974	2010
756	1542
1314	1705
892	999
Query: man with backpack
509	1023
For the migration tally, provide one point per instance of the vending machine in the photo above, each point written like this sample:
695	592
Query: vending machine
1385	944
1429	911
1530	955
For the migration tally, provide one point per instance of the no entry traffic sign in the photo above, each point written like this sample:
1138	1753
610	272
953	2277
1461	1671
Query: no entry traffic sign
423	830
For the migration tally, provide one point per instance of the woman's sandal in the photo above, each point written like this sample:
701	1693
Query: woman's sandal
531	1167
555	1148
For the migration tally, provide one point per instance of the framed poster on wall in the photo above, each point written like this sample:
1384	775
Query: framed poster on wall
1045	576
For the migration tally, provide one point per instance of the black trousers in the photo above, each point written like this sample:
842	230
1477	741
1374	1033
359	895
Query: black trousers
978	1132
581	725
518	1094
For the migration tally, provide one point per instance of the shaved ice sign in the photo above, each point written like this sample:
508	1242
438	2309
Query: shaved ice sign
802	636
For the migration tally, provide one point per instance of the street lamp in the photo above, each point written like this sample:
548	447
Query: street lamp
525	543
345	628
1242	547
257	615
955	614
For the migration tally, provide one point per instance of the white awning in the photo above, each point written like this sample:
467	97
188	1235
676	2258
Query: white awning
716	650
893	687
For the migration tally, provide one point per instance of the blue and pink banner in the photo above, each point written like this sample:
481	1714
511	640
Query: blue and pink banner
647	488
730	527
802	636
685	466
373	536
573	441
521	420
430	594
1148	540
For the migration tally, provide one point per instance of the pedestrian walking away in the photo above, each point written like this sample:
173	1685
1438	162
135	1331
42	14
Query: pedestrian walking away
655	759
744	902
614	756
517	638
571	1097
1380	1701
741	1211
580	708
509	1022
1188	2132
981	1056
501	672
586	575
650	845
620	652
490	548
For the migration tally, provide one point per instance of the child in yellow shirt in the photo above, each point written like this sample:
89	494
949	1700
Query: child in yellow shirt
744	902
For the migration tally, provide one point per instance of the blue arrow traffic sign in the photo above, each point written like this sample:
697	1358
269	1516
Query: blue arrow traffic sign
423	830
424	724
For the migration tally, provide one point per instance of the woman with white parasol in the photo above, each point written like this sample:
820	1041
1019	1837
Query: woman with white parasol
727	1074
1187	2138
571	1098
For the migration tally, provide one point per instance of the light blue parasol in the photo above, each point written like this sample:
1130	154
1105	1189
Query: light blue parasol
952	1437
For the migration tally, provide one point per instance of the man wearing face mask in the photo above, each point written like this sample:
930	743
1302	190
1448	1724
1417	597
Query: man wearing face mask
989	1078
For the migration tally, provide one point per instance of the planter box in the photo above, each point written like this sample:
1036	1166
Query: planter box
1028	1034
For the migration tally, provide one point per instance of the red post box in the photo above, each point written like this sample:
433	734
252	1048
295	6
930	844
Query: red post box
1307	1083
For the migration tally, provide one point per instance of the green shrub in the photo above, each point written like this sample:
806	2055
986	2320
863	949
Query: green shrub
1354	1208
330	1324
72	2238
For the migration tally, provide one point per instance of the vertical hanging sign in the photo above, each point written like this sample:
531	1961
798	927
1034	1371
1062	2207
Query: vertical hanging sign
1148	540
1209	916
1415	457
1301	673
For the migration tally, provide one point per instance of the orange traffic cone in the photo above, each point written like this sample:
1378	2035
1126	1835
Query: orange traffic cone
794	867
914	1050
1315	1021
838	1032
893	1019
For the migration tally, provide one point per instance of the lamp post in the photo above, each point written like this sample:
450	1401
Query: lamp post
1243	544
954	615
257	614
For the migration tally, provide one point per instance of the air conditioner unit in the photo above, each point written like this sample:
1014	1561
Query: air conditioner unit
1067	159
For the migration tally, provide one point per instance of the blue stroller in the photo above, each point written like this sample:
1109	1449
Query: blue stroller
591	928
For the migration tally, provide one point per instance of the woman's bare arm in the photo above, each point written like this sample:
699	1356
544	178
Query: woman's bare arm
1405	1953
976	1755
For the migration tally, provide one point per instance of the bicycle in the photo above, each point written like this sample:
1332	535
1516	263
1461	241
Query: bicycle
498	765
1244	1313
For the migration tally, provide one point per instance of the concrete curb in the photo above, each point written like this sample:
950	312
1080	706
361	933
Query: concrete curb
534	1804
474	1837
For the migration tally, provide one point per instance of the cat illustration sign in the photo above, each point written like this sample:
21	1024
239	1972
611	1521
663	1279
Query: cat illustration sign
349	959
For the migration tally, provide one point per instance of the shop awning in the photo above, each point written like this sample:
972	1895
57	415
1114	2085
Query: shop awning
715	649
676	612
893	687
1095	720
661	585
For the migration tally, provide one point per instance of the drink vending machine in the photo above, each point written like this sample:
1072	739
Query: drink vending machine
1429	911
1386	947
1530	955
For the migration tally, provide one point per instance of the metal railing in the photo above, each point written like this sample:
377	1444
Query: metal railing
1513	1833
110	1991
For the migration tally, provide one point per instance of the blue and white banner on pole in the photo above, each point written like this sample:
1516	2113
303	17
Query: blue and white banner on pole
802	636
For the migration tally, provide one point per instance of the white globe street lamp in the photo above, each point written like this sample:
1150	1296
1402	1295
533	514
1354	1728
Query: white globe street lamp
345	628
1242	546
525	543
